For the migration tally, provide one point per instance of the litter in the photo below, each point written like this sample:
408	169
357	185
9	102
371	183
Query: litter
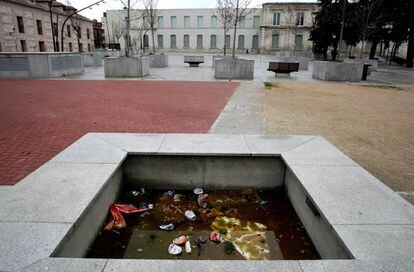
171	193
188	247
134	193
177	198
167	227
202	200
180	240
190	215
202	239
198	191
216	237
198	244
116	219
174	249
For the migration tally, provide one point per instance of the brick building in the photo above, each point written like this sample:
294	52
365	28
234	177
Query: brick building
26	26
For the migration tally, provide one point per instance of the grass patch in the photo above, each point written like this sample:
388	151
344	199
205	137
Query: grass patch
270	85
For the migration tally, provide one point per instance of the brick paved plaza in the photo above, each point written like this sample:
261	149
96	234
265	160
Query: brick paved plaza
39	118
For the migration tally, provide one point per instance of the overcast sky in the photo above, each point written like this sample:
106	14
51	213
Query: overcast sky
97	11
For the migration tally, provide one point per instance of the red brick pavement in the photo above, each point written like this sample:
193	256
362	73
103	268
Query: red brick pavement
39	118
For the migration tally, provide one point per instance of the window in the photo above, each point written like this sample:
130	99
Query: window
89	47
186	41
20	24
256	21
186	21
88	33
55	29
69	31
200	21
39	27
213	41
80	47
160	22
199	41
241	42
146	41
173	41
275	41
255	42
42	47
368	46
213	21
173	21
227	41
70	47
298	42
276	18
300	18
242	22
160	41
80	32
23	46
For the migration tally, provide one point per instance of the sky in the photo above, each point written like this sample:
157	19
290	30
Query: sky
97	11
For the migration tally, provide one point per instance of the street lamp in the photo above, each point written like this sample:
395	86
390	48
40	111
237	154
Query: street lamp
70	16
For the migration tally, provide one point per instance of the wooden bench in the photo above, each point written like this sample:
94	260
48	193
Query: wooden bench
283	67
194	61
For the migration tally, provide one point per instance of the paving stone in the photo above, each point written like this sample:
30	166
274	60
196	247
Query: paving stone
91	149
56	192
67	265
275	145
25	243
336	266
382	244
208	144
317	152
134	142
351	195
201	266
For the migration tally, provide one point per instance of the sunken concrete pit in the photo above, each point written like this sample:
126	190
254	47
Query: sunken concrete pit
52	216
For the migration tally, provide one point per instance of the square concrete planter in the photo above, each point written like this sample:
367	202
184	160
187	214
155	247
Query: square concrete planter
92	59
337	71
373	62
158	60
127	67
233	69
214	58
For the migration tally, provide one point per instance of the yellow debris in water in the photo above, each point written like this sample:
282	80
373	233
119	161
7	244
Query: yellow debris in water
249	238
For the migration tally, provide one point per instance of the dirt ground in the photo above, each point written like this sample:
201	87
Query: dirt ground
374	126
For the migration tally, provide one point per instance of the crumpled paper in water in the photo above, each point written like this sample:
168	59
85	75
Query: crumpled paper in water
249	238
116	219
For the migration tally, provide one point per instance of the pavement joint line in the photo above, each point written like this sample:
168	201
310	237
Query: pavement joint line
308	141
162	142
108	142
109	163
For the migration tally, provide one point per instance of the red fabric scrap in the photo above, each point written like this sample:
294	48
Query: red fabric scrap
116	219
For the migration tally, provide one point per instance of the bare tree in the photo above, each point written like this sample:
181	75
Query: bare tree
117	31
225	17
77	27
241	10
151	16
292	25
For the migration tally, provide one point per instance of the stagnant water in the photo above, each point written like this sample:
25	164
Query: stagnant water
282	237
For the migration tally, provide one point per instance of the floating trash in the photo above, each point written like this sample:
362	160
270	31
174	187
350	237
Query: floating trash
198	191
202	200
180	240
170	193
190	215
173	249
116	219
188	247
202	239
177	198
134	193
216	237
167	227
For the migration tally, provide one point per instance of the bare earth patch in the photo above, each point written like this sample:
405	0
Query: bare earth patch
374	126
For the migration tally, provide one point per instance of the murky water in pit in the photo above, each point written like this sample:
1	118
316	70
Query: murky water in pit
282	234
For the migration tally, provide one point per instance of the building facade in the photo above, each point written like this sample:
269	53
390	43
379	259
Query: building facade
275	27
26	27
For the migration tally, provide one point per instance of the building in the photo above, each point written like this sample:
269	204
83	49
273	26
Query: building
98	34
26	27
275	27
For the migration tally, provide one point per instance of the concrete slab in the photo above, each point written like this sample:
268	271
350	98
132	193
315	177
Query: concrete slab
317	152
56	192
91	149
336	266
265	145
381	244
204	144
67	265
350	195
134	143
25	243
201	266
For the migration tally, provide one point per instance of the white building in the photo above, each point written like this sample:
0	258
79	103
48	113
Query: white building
275	27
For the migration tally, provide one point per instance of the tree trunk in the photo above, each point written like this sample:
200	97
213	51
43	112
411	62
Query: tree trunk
410	48
361	53
78	42
236	21
153	40
373	49
51	26
225	44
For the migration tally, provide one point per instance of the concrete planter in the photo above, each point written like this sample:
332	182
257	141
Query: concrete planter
220	57
127	67
303	61
39	65
373	62
92	59
158	60
337	71
234	69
